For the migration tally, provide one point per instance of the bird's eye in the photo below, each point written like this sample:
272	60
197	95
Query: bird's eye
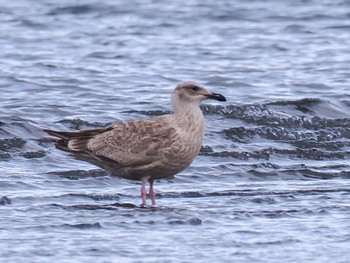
195	88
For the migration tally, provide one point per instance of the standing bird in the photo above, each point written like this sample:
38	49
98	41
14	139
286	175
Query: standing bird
146	149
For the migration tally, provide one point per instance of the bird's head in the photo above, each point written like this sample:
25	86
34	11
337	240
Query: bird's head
194	93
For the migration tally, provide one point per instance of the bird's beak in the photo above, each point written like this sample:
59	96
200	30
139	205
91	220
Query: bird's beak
216	96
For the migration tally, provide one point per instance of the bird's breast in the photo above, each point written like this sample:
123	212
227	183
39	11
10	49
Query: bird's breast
188	141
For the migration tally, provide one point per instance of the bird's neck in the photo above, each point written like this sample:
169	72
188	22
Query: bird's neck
190	116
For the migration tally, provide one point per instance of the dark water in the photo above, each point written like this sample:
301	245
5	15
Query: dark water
271	183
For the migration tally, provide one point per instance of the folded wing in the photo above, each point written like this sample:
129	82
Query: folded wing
130	143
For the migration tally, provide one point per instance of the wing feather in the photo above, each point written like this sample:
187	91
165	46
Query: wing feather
136	142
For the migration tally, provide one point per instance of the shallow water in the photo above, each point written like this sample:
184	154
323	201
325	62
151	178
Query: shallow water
271	181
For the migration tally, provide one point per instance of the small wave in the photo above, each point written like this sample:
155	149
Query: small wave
78	124
96	197
279	213
289	109
33	24
193	221
258	154
251	194
33	155
4	200
79	9
12	143
148	112
84	207
79	174
83	225
263	200
240	134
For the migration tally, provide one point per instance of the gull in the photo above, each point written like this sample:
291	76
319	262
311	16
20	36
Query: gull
145	149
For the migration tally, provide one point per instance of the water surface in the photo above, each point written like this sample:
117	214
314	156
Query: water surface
271	181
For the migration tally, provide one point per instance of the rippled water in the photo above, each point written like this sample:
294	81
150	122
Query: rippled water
271	181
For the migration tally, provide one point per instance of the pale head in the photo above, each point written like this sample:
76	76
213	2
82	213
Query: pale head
194	93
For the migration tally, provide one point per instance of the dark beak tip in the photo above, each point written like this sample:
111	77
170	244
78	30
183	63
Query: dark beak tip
222	99
217	96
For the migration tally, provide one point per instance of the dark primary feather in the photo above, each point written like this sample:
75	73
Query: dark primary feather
79	138
67	135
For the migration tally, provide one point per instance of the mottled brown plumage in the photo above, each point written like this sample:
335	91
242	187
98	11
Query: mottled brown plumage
146	149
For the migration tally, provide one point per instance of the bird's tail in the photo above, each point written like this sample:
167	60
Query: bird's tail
74	140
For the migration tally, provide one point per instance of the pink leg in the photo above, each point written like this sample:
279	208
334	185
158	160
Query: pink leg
143	192
152	194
